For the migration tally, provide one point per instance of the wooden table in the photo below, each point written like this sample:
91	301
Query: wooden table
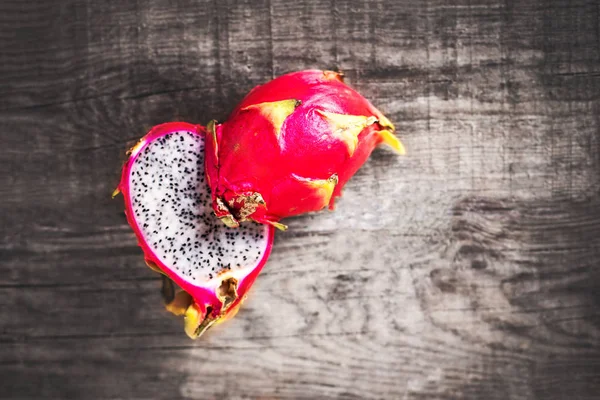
468	269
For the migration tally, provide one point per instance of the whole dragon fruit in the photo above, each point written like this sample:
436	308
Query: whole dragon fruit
168	205
290	147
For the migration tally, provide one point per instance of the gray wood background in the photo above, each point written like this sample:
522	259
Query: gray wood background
466	270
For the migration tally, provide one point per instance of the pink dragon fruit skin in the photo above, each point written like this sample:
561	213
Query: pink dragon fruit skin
290	147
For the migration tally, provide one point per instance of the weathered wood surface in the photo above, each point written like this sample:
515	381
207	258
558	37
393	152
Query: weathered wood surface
466	270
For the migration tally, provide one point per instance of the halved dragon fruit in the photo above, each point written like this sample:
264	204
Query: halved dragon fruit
168	205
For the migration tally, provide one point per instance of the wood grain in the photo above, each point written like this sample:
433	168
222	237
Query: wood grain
466	270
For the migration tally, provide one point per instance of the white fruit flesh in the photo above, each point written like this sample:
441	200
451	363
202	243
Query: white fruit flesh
170	201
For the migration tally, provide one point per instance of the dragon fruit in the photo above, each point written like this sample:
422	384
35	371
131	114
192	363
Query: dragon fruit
168	205
290	147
